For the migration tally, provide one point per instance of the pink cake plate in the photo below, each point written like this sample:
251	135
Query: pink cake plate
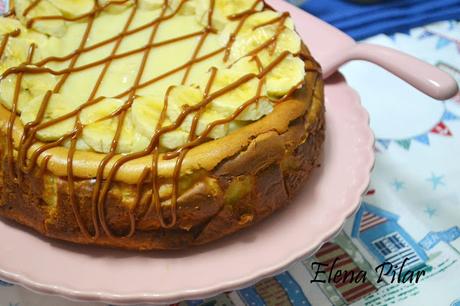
333	194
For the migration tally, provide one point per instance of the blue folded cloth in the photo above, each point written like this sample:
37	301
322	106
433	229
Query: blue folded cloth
390	16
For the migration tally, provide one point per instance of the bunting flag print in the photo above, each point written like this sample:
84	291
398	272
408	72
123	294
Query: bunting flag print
443	40
440	129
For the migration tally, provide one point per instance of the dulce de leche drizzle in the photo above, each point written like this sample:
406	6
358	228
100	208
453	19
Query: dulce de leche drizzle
104	179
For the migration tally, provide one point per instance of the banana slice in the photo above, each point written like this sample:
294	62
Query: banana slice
131	140
223	9
174	139
81	145
43	9
285	76
15	53
236	125
9	25
150	4
73	8
38	84
183	96
101	110
252	23
244	44
52	46
39	39
101	126
228	103
32	85
146	112
139	142
207	118
7	87
58	105
180	97
100	135
115	6
265	17
188	8
100	132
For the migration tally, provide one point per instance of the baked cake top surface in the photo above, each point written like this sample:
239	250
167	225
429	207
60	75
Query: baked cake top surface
136	76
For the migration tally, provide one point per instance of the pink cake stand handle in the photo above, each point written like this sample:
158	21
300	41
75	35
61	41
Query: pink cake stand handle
423	76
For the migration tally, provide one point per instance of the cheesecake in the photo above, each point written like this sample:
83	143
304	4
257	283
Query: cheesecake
153	124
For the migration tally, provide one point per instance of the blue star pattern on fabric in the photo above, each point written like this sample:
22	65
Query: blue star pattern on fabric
398	185
431	212
436	181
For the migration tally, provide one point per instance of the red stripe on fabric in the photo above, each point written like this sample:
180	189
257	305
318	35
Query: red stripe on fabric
340	264
368	226
326	249
340	257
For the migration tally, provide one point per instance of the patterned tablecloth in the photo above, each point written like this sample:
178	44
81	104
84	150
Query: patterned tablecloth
410	215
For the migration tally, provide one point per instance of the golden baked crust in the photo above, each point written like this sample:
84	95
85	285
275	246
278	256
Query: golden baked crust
224	185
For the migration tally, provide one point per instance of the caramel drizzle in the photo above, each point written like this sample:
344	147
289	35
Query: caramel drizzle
280	19
71	184
111	58
94	211
250	11
180	160
13	116
200	44
103	184
240	25
261	76
31	6
102	195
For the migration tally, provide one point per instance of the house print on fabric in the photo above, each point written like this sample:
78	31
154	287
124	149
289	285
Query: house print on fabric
385	239
349	259
278	290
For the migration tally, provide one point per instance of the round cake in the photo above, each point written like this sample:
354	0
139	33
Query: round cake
153	124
